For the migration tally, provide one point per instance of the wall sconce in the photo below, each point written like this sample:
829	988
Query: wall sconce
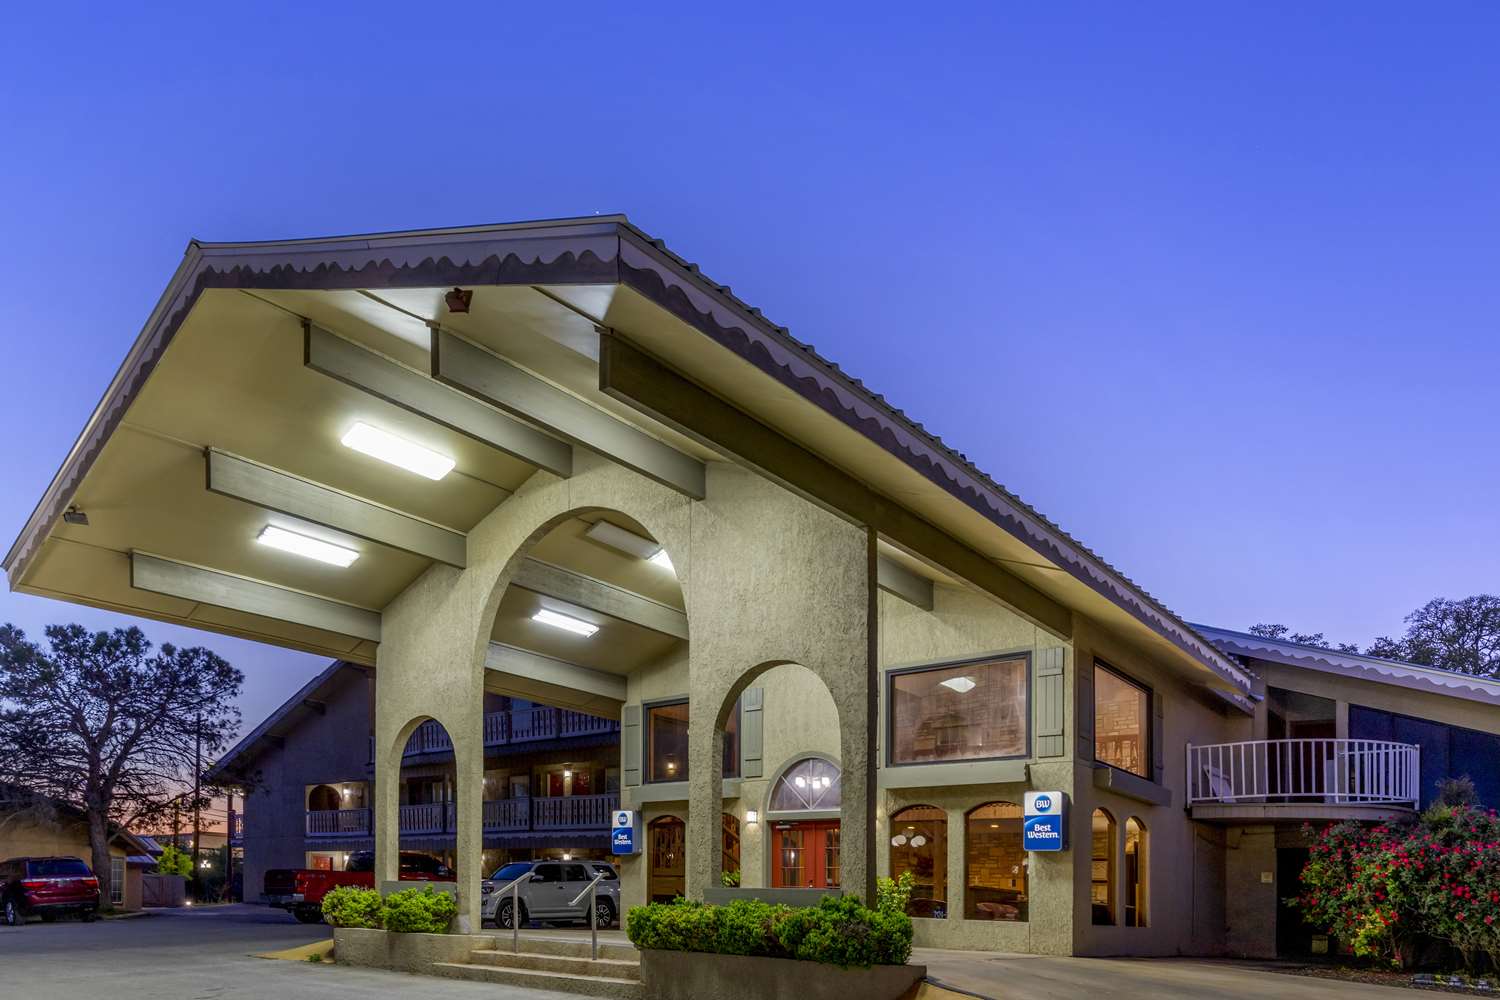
567	773
567	856
751	816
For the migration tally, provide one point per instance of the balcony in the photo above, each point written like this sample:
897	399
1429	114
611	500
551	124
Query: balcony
521	725
1310	779
559	814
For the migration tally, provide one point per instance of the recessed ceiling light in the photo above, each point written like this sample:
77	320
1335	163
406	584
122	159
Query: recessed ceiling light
308	548
663	560
397	451
963	685
565	622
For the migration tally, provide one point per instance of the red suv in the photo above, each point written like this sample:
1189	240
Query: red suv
46	887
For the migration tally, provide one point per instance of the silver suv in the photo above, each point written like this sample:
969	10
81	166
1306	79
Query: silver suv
547	894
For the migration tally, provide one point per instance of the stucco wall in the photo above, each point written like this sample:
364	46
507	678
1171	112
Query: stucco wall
1249	899
335	748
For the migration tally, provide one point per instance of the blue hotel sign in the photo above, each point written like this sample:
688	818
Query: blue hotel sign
624	835
1045	823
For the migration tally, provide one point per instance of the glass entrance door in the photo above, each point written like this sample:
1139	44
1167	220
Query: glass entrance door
805	855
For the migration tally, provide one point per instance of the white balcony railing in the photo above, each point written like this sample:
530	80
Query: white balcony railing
1329	771
521	725
338	822
558	813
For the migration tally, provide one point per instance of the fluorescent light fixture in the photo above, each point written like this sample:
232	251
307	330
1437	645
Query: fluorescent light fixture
621	540
963	685
397	451
308	548
565	622
663	560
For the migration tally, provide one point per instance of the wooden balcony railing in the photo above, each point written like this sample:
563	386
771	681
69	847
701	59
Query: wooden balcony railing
338	822
520	725
1329	771
559	813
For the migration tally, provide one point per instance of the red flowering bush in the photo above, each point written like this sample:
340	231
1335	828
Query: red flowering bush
1385	890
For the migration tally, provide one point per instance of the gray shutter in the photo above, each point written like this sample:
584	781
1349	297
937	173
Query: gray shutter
1083	718
1048	694
630	744
1158	738
752	729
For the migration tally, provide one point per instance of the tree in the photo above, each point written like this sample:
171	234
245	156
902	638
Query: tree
1459	635
174	861
100	721
1285	634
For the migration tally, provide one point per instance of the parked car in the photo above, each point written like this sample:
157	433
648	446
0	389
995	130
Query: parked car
548	894
48	888
300	891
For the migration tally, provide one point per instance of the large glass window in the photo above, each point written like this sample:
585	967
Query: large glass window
970	711
667	742
1135	873
1122	722
1102	873
732	744
919	844
994	863
810	784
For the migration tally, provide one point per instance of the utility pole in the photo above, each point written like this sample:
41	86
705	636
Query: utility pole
229	846
197	803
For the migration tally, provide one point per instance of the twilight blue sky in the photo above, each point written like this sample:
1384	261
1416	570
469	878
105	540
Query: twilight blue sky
1214	286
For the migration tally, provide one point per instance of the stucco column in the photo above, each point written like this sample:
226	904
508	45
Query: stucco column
705	800
468	763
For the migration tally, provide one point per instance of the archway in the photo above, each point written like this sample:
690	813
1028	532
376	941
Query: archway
323	798
666	839
803	810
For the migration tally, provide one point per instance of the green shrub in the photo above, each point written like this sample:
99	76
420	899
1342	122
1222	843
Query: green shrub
892	895
839	930
351	906
419	911
174	861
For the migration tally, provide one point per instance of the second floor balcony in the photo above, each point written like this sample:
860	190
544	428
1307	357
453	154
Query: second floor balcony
558	814
516	726
1303	779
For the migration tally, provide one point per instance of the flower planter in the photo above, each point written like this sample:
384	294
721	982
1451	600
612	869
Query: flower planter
404	952
688	975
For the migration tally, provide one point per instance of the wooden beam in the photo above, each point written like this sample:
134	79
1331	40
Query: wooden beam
896	579
367	371
632	376
596	595
239	478
489	378
238	593
530	666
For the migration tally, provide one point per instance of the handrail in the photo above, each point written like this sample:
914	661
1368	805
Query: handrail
514	885
590	891
1336	771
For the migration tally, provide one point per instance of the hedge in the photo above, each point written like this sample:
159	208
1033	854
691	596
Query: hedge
839	931
351	906
422	910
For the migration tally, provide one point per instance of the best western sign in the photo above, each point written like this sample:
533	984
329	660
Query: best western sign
623	838
1045	826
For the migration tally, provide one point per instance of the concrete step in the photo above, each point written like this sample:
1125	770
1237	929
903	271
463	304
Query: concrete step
570	947
563	982
618	968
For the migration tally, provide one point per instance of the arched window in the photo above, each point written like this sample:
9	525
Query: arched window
324	798
730	847
919	844
1102	873
811	784
994	863
1136	872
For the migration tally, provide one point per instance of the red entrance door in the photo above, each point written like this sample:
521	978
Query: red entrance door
805	855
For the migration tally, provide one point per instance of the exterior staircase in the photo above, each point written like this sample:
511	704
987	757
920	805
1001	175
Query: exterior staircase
555	964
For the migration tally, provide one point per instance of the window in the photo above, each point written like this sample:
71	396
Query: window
810	784
1102	868
667	742
116	880
1135	873
1122	722
971	711
547	873
919	844
729	845
994	863
732	744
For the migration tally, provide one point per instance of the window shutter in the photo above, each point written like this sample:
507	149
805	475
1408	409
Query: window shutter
1158	739
752	715
1083	719
630	744
1048	690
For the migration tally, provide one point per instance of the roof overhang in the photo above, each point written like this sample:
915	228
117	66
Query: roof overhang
560	285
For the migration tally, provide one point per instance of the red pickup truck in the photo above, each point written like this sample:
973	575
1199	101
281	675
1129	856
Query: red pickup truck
300	891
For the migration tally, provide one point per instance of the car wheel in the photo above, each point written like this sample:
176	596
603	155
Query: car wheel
88	916
10	915
604	913
503	915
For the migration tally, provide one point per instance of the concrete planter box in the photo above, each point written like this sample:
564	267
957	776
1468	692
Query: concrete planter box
404	952
688	975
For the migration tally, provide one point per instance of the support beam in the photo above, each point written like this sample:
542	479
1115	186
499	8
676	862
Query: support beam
629	375
493	380
222	590
896	579
367	371
538	669
239	478
596	595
